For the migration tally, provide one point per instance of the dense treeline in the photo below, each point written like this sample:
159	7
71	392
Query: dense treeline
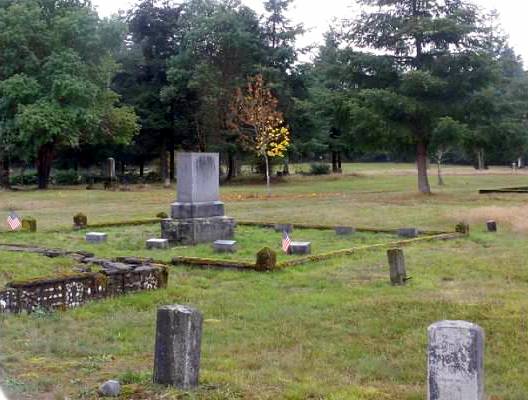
408	79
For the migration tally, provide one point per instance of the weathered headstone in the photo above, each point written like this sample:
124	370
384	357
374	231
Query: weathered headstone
178	342
288	228
398	276
96	237
300	248
344	230
198	214
80	221
224	246
491	225
157	244
266	260
455	364
110	388
408	232
462	227
29	224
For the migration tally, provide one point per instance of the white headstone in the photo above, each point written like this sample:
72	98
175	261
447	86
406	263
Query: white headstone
455	361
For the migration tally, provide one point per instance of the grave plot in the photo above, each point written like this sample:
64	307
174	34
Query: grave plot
23	266
131	240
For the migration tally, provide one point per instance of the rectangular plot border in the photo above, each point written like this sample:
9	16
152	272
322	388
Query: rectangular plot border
428	235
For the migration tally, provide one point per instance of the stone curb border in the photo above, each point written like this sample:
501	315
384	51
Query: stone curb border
217	263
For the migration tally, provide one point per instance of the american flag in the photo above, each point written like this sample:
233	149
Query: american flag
14	221
285	241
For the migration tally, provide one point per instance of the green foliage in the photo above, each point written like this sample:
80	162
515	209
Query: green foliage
319	169
66	177
25	179
54	80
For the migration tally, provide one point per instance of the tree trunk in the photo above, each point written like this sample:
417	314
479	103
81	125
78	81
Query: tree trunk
44	160
231	166
439	157
480	159
4	173
421	165
339	168
172	167
440	178
335	168
141	168
286	166
268	185
164	160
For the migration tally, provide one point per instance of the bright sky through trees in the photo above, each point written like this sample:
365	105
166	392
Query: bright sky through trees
317	15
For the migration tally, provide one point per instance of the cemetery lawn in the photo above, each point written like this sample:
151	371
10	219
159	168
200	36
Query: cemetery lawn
23	266
328	330
130	241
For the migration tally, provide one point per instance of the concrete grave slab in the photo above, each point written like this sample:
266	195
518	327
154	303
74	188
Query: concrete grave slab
225	246
300	248
156	243
96	237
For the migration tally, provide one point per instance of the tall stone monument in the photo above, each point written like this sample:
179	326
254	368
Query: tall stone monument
198	215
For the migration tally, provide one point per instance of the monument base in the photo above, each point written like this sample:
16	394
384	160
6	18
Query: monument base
197	230
197	210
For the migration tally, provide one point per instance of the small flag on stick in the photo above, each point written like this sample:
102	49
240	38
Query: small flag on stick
13	221
286	242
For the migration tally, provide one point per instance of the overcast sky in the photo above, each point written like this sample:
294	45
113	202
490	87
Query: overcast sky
317	15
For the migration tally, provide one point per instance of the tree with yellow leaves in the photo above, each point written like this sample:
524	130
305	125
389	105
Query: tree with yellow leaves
260	125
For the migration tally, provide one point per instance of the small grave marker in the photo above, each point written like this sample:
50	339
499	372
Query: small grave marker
157	244
225	246
398	276
408	232
491	225
288	228
455	363
29	224
178	343
462	227
96	237
344	230
266	260
300	248
80	221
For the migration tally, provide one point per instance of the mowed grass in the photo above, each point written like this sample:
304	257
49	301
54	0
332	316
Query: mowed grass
328	330
23	266
130	241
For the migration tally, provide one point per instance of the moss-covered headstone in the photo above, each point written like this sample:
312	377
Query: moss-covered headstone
29	224
266	260
462	227
80	221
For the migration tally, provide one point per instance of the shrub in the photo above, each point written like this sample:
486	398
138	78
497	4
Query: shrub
66	177
152	177
319	169
26	179
162	215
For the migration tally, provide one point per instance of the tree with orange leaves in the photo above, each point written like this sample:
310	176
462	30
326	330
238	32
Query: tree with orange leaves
260	125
